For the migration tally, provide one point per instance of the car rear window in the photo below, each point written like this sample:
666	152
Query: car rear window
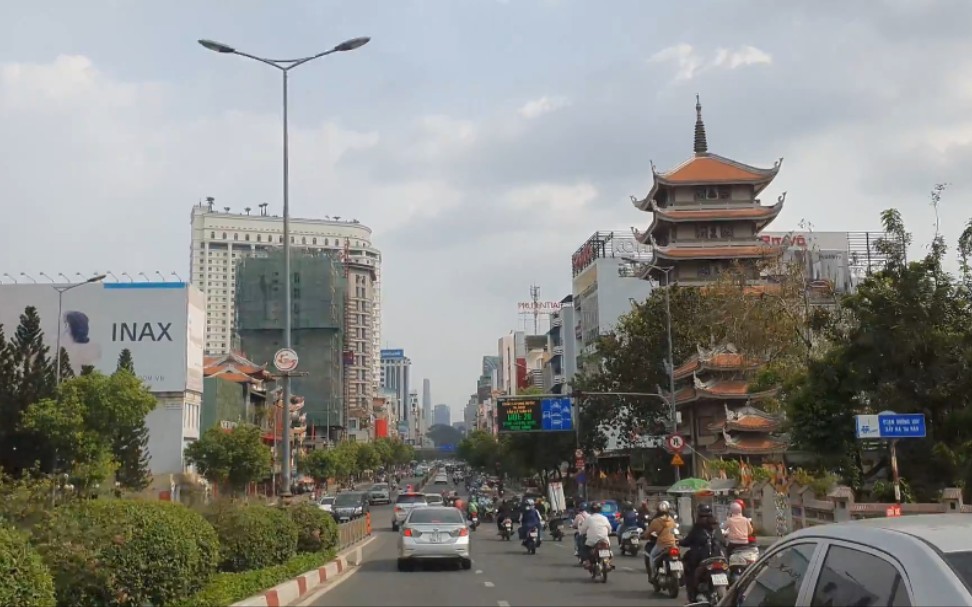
961	564
348	499
608	507
408	498
434	516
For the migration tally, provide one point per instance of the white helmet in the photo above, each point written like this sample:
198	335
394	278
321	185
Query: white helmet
664	507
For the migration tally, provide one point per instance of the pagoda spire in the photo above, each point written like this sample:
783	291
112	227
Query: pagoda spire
701	146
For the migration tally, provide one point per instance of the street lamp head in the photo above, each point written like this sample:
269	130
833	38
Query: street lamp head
97	278
219	47
350	45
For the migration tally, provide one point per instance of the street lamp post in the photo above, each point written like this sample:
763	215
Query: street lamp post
671	352
285	65
61	290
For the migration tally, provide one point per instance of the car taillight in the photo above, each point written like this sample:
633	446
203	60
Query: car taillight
407	532
463	532
617	515
673	552
398	508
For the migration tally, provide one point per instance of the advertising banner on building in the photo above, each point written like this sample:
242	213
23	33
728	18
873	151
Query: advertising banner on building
162	324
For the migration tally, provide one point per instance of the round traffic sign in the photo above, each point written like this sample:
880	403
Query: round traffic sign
675	442
285	360
578	453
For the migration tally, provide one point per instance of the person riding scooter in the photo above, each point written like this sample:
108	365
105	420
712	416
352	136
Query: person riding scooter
629	518
738	528
530	519
582	515
704	541
661	532
596	528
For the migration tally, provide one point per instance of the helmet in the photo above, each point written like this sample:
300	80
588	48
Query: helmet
628	505
742	505
735	508
664	507
595	507
703	510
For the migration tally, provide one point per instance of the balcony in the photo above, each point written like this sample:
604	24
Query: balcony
556	321
558	351
559	379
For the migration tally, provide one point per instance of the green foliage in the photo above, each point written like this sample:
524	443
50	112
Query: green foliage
24	578
125	361
319	464
252	536
883	492
316	529
229	588
24	501
480	450
125	552
444	435
234	458
67	371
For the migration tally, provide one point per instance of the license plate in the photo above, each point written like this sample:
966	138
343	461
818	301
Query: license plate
634	541
533	534
675	566
436	539
604	554
720	579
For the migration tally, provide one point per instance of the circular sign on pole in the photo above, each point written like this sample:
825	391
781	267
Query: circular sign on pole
578	453
675	442
285	360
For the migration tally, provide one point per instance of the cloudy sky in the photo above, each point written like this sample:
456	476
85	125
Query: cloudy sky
483	140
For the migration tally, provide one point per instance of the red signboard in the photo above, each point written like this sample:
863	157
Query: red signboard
797	240
381	428
522	376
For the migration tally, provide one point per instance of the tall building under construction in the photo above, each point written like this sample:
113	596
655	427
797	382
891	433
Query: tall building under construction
319	302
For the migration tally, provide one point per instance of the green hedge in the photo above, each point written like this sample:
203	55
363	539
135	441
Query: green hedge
255	537
24	578
127	552
229	588
316	529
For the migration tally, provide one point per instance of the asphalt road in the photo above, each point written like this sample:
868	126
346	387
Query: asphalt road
502	575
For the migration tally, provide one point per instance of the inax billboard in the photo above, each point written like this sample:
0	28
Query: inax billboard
162	324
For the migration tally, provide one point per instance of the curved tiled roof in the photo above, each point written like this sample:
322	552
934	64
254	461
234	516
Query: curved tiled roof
748	251
747	419
715	360
749	445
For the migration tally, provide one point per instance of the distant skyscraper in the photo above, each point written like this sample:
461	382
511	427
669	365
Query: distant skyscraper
427	402
394	375
443	416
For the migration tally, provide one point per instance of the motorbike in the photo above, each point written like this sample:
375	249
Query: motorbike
533	536
506	531
556	529
602	561
669	573
741	559
713	580
630	540
473	522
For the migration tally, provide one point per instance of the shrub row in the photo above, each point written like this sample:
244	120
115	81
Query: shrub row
127	552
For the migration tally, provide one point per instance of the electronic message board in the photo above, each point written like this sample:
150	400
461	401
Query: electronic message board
532	414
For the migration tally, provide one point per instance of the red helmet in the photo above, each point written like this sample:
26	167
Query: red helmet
741	503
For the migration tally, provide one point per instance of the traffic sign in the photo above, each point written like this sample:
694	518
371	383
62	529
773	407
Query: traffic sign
890	426
677	460
285	360
675	442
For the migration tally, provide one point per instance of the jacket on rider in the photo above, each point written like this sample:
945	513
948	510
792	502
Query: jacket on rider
704	541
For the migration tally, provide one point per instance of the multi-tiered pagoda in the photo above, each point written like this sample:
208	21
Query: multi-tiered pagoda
720	414
707	216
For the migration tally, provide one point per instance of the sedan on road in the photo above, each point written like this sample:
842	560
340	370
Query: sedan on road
434	499
350	505
405	503
440	479
326	503
434	533
380	493
898	562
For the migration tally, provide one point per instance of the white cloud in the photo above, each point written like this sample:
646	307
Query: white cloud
544	105
689	61
564	202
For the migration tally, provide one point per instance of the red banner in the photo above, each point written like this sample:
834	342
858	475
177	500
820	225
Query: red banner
381	428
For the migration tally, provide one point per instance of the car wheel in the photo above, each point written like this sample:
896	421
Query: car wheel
466	564
403	565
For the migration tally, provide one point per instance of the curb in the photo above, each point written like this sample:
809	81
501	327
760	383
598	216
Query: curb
288	592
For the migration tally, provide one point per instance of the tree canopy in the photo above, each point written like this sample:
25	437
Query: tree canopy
231	458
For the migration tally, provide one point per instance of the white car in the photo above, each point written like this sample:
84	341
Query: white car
440	479
434	533
326	503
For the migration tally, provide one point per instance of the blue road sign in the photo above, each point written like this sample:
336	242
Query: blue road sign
891	426
448	448
556	414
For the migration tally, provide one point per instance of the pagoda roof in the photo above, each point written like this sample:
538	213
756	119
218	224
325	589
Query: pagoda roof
747	419
756	250
233	375
760	215
724	390
724	358
214	364
748	444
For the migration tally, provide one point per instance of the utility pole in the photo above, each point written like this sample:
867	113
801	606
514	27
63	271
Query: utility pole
535	298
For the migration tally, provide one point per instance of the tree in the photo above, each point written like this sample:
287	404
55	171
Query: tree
480	450
366	457
67	371
444	435
125	362
320	465
233	458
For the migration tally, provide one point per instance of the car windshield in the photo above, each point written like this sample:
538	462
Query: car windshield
411	498
348	499
379	487
327	500
961	564
433	498
436	516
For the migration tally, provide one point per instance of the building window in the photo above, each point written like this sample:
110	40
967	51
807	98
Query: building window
724	192
726	231
303	241
246	237
212	234
706	232
313	241
224	235
236	236
259	238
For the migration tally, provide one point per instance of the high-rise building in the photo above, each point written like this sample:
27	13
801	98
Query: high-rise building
220	239
426	404
521	362
443	415
395	367
416	426
561	364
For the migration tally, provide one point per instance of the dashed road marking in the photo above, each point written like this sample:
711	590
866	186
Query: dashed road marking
478	571
627	568
503	603
489	584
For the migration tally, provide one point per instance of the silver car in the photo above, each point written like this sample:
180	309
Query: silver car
434	533
434	499
380	493
405	503
898	562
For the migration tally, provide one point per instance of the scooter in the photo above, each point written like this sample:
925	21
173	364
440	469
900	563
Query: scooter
630	540
506	531
473	522
669	573
532	540
602	561
713	582
741	559
556	529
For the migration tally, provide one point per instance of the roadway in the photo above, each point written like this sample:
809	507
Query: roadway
502	575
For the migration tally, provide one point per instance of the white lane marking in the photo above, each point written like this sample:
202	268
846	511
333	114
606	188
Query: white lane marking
489	584
478	571
627	568
503	603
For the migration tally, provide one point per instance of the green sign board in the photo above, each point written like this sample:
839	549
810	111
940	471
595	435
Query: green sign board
528	414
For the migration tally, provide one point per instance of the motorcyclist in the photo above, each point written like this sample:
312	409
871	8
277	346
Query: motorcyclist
579	519
473	508
458	502
704	541
629	518
501	515
661	531
738	528
596	528
530	519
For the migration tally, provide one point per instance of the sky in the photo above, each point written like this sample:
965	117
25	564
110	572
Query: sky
482	140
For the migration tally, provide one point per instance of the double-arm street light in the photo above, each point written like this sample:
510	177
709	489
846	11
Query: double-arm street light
285	65
61	290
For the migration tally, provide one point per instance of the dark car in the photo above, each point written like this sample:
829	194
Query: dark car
350	505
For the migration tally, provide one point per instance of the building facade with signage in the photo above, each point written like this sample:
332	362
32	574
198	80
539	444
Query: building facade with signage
442	415
395	376
834	260
604	285
561	363
162	324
